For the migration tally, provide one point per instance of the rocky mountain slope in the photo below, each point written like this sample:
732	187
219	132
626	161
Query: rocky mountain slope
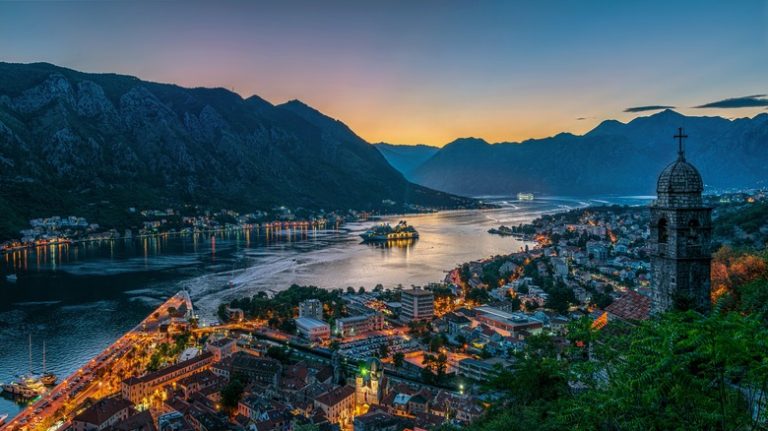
613	158
96	144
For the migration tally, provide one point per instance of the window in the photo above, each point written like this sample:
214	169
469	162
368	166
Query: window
663	231
693	232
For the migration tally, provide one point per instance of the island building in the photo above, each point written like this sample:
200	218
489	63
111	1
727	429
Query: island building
311	308
313	329
356	325
681	233
417	305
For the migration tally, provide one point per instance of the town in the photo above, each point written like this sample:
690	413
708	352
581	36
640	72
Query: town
384	359
57	230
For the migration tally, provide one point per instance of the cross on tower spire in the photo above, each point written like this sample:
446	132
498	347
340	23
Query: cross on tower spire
680	137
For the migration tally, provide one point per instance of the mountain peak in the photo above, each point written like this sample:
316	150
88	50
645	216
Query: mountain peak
468	141
667	113
607	127
297	104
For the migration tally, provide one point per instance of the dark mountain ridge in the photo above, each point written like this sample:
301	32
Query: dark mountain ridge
406	158
613	158
95	144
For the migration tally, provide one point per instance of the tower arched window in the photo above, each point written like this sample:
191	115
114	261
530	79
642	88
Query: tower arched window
663	231
693	232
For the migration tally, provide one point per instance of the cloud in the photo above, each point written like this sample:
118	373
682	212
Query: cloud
648	108
738	102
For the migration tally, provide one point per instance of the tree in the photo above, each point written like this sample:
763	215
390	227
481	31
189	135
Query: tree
231	393
436	342
677	371
398	359
435	367
478	295
280	353
601	300
384	350
461	339
531	305
560	299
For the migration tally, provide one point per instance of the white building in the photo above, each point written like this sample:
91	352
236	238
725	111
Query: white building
313	329
356	325
417	305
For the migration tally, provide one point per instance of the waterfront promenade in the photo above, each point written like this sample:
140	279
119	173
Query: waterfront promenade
99	377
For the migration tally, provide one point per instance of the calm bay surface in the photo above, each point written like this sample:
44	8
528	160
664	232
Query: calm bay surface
81	297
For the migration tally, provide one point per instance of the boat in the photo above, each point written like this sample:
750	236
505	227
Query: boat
11	278
385	232
30	386
525	196
26	388
3	417
47	378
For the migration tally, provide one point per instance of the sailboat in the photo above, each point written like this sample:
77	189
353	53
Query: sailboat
48	378
26	387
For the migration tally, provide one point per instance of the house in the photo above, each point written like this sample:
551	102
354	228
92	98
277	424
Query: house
222	348
197	382
630	306
378	420
138	422
137	389
338	404
265	371
104	413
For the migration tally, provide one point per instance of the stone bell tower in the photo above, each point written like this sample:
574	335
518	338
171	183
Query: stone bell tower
368	383
681	232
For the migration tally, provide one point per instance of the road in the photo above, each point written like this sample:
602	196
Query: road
99	377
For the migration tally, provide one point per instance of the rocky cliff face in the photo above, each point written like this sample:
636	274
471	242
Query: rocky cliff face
90	144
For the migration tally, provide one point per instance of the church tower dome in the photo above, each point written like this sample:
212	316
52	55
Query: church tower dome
680	177
680	183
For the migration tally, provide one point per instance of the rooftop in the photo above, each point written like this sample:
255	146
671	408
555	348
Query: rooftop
335	396
631	306
417	292
310	323
152	376
100	412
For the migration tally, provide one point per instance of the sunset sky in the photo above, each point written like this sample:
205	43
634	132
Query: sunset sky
423	72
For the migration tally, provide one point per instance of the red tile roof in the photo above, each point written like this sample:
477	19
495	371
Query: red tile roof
102	411
631	306
335	396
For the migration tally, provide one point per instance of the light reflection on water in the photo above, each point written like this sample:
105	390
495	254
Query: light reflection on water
81	297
